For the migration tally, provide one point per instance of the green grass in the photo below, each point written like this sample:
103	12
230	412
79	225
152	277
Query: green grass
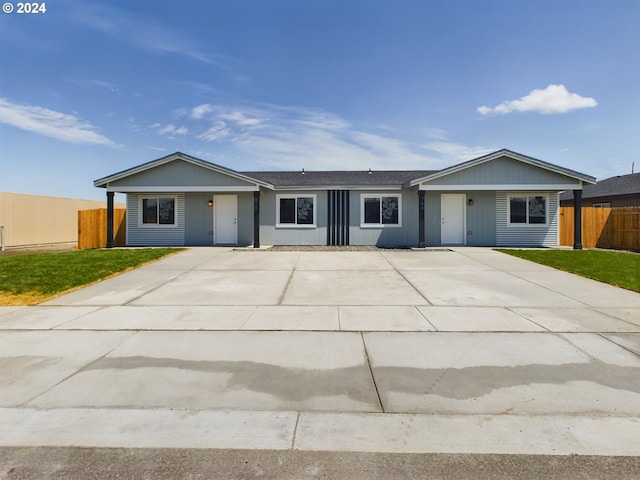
621	269
34	277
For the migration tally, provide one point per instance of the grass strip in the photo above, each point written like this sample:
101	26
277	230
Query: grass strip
618	268
34	277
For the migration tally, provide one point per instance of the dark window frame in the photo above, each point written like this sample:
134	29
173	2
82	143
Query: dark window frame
380	210
296	211
158	211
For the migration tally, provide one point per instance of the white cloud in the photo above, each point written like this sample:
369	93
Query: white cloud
139	32
50	123
200	111
457	152
293	137
218	131
239	118
553	99
171	130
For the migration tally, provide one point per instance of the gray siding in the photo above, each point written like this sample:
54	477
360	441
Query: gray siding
407	235
270	235
245	218
526	235
404	236
155	235
198	219
432	218
481	219
177	174
504	171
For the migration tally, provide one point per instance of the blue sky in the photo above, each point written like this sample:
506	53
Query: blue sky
90	88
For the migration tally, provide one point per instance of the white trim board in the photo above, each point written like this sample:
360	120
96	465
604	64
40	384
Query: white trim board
541	187
179	189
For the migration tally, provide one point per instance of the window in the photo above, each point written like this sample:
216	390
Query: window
159	211
296	211
528	210
380	210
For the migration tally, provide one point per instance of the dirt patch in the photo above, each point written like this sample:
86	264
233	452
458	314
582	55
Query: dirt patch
7	299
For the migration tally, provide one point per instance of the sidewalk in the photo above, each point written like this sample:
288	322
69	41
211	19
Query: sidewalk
466	351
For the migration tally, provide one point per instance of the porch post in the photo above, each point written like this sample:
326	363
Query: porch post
109	219
256	219
421	240
577	219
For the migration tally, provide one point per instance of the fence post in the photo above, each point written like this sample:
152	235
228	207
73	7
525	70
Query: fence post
2	237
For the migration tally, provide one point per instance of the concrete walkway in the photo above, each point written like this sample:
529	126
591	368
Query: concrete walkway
465	351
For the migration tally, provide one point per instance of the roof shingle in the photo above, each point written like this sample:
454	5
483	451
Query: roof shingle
338	178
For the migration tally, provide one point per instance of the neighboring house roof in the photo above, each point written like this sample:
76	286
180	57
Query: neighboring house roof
504	153
627	185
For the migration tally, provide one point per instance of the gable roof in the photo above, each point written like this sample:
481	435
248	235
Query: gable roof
509	154
339	179
104	182
389	179
609	187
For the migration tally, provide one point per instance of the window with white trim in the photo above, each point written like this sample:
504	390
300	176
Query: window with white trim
527	210
158	211
380	210
296	211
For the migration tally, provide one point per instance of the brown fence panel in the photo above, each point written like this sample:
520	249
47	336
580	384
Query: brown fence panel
92	228
566	226
626	228
596	231
615	228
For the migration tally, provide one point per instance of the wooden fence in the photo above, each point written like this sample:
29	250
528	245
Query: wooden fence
616	228
92	228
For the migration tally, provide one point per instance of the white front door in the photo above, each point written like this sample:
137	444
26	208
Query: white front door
453	218
225	219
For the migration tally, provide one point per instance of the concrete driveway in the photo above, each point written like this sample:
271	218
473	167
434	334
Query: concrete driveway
464	351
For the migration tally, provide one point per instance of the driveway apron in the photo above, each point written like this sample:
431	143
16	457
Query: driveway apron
359	351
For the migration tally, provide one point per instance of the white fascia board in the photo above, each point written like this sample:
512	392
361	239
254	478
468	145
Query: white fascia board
515	187
179	189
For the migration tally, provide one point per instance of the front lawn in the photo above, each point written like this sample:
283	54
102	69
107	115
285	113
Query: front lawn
621	269
35	277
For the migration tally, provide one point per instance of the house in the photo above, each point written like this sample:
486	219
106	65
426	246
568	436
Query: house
500	199
619	191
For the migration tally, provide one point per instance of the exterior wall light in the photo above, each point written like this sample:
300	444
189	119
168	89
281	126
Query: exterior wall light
470	202
210	203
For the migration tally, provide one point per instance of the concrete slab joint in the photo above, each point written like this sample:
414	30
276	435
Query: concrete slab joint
463	351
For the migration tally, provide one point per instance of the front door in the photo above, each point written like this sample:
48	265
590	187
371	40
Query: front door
452	225
225	219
